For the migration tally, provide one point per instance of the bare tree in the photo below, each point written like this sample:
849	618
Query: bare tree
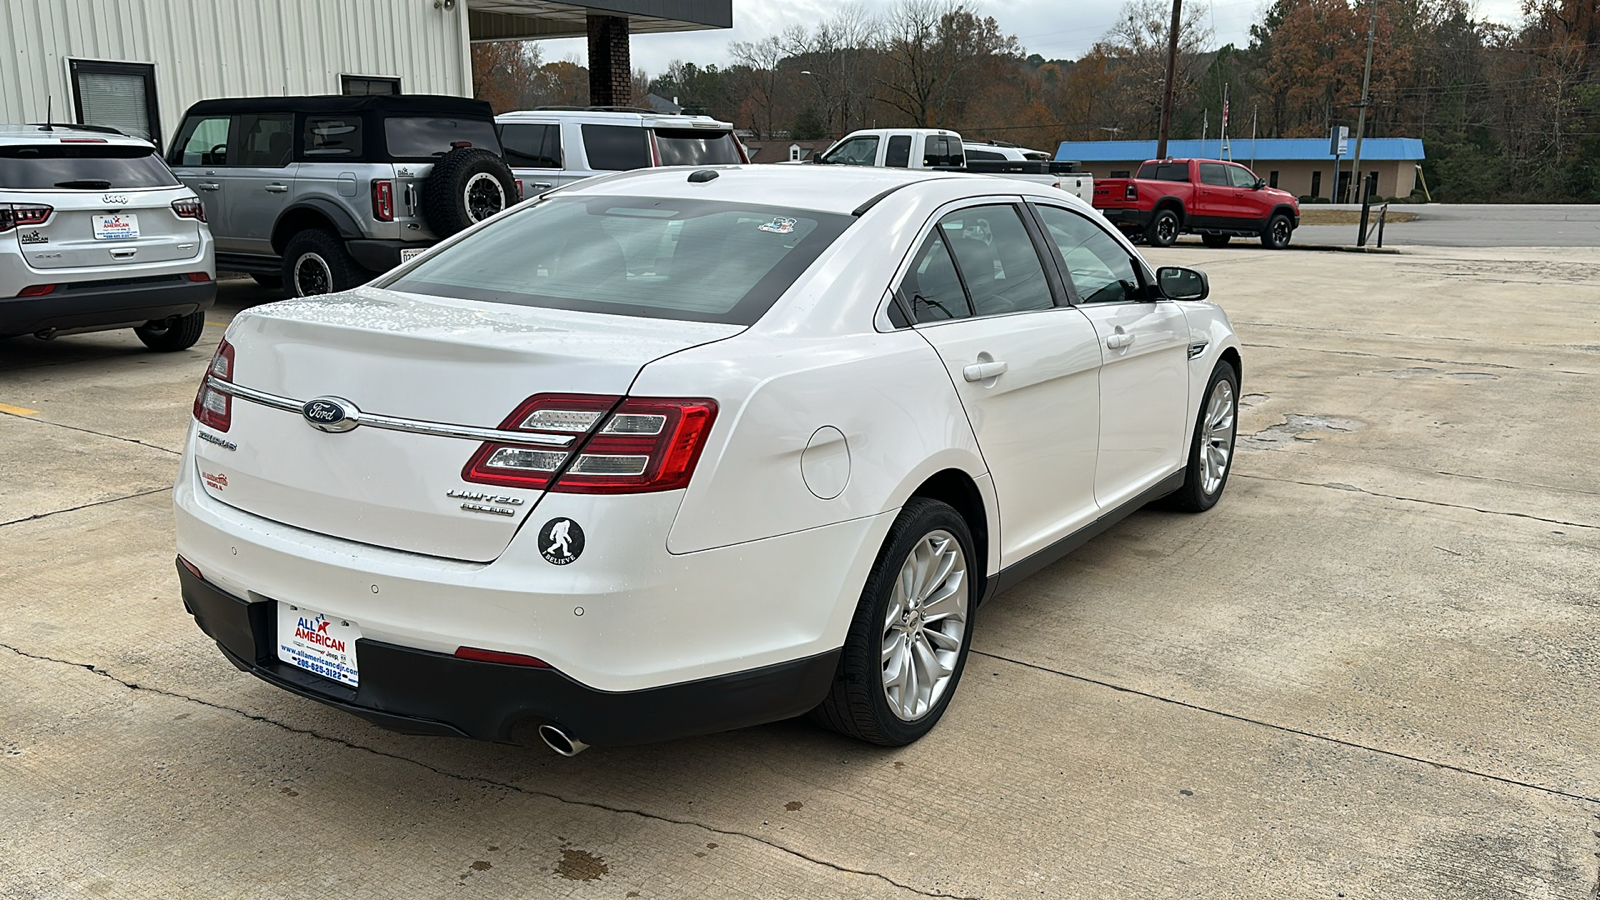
928	49
762	58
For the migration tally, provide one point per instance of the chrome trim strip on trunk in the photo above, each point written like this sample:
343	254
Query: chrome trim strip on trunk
394	423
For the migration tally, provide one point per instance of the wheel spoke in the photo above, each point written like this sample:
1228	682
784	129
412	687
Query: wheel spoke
944	641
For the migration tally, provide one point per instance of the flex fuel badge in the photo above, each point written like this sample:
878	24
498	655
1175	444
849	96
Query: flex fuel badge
560	541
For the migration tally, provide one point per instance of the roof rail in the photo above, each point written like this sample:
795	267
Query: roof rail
629	109
100	129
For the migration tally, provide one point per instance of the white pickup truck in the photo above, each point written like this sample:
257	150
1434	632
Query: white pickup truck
936	148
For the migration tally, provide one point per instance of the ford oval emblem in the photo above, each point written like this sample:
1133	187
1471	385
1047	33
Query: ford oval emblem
331	414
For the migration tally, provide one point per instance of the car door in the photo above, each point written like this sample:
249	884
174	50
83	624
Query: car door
1024	364
261	180
1250	204
199	158
1144	342
1215	193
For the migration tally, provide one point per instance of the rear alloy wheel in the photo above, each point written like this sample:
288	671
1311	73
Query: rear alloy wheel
176	333
1211	453
1163	230
1276	235
316	262
1214	240
909	640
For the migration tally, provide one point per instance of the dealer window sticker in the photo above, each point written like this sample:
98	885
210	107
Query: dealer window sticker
778	225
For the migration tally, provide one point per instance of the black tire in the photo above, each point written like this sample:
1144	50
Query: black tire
1276	235
176	333
268	281
1195	496
316	262
465	187
1163	229
1214	240
858	704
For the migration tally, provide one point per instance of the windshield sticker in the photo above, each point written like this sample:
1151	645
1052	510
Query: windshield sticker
779	225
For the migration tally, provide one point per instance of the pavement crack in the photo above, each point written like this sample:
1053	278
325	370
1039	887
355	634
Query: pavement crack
1394	754
490	782
1333	486
114	437
57	512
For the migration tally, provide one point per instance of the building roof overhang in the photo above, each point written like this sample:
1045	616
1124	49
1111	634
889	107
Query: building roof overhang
511	20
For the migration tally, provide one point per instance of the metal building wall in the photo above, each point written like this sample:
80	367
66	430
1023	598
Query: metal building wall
228	48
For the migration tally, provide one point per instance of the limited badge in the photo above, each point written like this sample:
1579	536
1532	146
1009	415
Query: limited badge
560	541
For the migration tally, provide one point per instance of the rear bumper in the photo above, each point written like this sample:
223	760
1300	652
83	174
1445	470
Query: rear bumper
424	692
1128	219
91	304
381	256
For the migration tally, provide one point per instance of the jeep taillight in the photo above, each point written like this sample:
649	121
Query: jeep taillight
1131	192
189	208
622	445
383	200
16	215
213	408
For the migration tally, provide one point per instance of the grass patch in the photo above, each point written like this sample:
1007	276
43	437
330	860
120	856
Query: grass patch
1349	216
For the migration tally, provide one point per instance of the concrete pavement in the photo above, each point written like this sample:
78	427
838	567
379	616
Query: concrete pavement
1472	225
1369	672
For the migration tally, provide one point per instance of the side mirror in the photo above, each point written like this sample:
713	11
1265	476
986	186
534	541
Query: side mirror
1183	283
1260	183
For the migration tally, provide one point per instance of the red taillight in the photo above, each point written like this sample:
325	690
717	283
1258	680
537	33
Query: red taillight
213	408
36	290
189	208
17	215
1131	192
496	656
84	141
383	200
520	195
622	445
198	276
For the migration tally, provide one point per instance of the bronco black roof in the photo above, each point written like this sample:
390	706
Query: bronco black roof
426	104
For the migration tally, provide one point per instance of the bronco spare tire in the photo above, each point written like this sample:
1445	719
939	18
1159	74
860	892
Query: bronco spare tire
465	187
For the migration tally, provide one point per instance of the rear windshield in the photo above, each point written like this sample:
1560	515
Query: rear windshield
695	260
696	147
86	167
426	137
1165	171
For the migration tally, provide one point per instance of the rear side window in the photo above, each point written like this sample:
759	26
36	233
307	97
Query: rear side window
333	137
898	156
203	142
696	147
984	155
427	137
1214	174
86	167
694	260
1164	171
998	263
532	146
266	141
613	148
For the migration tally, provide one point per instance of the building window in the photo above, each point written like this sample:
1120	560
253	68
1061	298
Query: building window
363	85
1272	178
794	153
117	94
1316	184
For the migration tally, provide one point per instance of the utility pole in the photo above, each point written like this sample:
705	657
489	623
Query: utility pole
1361	119
1172	73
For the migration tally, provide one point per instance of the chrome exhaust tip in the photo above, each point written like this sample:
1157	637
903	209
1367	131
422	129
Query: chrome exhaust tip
558	740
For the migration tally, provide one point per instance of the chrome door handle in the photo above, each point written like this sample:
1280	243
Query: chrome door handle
277	189
1119	340
983	371
541	185
210	186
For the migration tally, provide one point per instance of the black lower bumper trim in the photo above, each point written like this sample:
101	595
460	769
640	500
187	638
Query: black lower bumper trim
1128	219
88	304
422	692
381	256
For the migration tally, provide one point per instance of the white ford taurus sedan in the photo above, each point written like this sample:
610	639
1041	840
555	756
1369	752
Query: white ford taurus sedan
676	451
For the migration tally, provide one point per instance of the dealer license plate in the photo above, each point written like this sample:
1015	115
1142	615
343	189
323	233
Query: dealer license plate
116	227
321	644
408	255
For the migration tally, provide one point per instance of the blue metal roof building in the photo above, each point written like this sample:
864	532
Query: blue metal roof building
1302	166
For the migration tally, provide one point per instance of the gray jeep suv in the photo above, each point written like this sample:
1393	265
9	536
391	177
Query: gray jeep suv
320	194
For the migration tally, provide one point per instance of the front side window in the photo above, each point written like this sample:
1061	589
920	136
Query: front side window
84	167
333	137
1101	271
430	137
1241	177
203	141
532	146
694	260
615	148
860	151
696	147
266	140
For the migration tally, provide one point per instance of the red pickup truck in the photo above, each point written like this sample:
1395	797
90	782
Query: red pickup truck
1209	197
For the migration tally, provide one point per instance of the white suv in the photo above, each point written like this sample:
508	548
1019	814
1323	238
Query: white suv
95	234
548	148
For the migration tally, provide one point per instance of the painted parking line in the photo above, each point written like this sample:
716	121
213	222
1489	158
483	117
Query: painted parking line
17	410
218	324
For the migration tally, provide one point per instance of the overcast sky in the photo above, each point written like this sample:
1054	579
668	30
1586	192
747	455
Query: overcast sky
1055	29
